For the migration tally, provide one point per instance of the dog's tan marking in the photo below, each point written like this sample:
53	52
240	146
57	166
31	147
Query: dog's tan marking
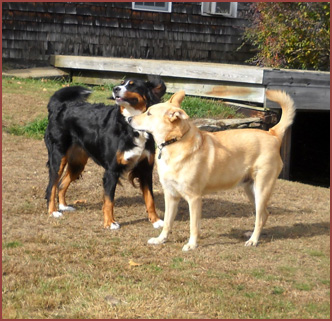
77	159
120	158
151	158
67	179
122	108
51	204
141	102
108	210
150	206
158	90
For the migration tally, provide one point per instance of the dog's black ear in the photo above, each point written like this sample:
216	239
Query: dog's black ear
157	86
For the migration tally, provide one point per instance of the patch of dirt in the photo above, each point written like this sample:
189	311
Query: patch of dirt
20	111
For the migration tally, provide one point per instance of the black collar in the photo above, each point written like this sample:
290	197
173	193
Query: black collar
162	145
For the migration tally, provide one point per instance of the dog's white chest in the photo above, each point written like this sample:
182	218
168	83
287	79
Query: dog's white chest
135	154
168	178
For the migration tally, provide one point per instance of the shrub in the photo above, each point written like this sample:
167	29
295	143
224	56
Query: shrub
290	34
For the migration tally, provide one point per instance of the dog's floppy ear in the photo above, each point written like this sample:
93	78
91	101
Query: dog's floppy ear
176	113
177	98
157	86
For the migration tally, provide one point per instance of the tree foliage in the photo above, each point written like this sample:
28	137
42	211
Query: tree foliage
290	34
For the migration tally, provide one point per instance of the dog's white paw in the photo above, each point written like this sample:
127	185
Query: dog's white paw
158	224
66	208
251	243
156	240
56	214
115	226
188	247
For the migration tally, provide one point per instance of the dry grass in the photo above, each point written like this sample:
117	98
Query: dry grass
73	268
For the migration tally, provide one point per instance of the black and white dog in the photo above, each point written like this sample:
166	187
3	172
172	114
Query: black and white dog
78	130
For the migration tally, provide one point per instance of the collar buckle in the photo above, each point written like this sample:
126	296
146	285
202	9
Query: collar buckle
162	145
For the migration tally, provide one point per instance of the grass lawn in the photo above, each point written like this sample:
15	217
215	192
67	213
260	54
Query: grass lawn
36	93
75	269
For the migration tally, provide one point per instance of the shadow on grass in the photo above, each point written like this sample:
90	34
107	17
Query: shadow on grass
298	230
211	208
214	208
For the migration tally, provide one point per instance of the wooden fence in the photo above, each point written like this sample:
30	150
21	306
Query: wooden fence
310	90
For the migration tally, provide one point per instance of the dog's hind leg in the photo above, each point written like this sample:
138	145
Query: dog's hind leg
77	159
264	183
110	181
56	167
171	207
150	206
143	171
249	188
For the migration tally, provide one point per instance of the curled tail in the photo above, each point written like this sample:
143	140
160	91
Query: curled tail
288	112
67	94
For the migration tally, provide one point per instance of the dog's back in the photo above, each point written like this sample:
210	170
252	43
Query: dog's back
236	155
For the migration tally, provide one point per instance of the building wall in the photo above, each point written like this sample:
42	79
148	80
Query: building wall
34	31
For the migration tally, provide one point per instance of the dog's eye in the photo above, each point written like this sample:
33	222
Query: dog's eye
148	113
122	82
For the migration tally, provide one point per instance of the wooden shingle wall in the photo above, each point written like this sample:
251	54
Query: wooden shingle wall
34	31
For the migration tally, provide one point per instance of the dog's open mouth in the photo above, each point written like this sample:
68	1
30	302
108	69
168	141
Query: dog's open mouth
118	99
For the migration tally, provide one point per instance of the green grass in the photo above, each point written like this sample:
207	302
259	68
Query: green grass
12	245
194	106
316	253
303	287
21	85
277	290
197	107
34	129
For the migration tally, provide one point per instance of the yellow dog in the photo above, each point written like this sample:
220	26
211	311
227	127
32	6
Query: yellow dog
192	163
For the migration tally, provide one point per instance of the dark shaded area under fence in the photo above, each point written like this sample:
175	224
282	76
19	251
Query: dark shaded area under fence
310	156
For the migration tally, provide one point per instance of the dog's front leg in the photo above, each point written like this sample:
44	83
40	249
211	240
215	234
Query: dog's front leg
195	208
171	207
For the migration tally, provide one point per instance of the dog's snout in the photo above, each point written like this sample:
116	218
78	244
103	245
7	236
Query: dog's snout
116	89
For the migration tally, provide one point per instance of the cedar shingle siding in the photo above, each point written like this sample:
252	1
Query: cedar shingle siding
34	31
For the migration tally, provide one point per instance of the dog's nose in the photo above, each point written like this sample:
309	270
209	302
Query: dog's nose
130	119
116	89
